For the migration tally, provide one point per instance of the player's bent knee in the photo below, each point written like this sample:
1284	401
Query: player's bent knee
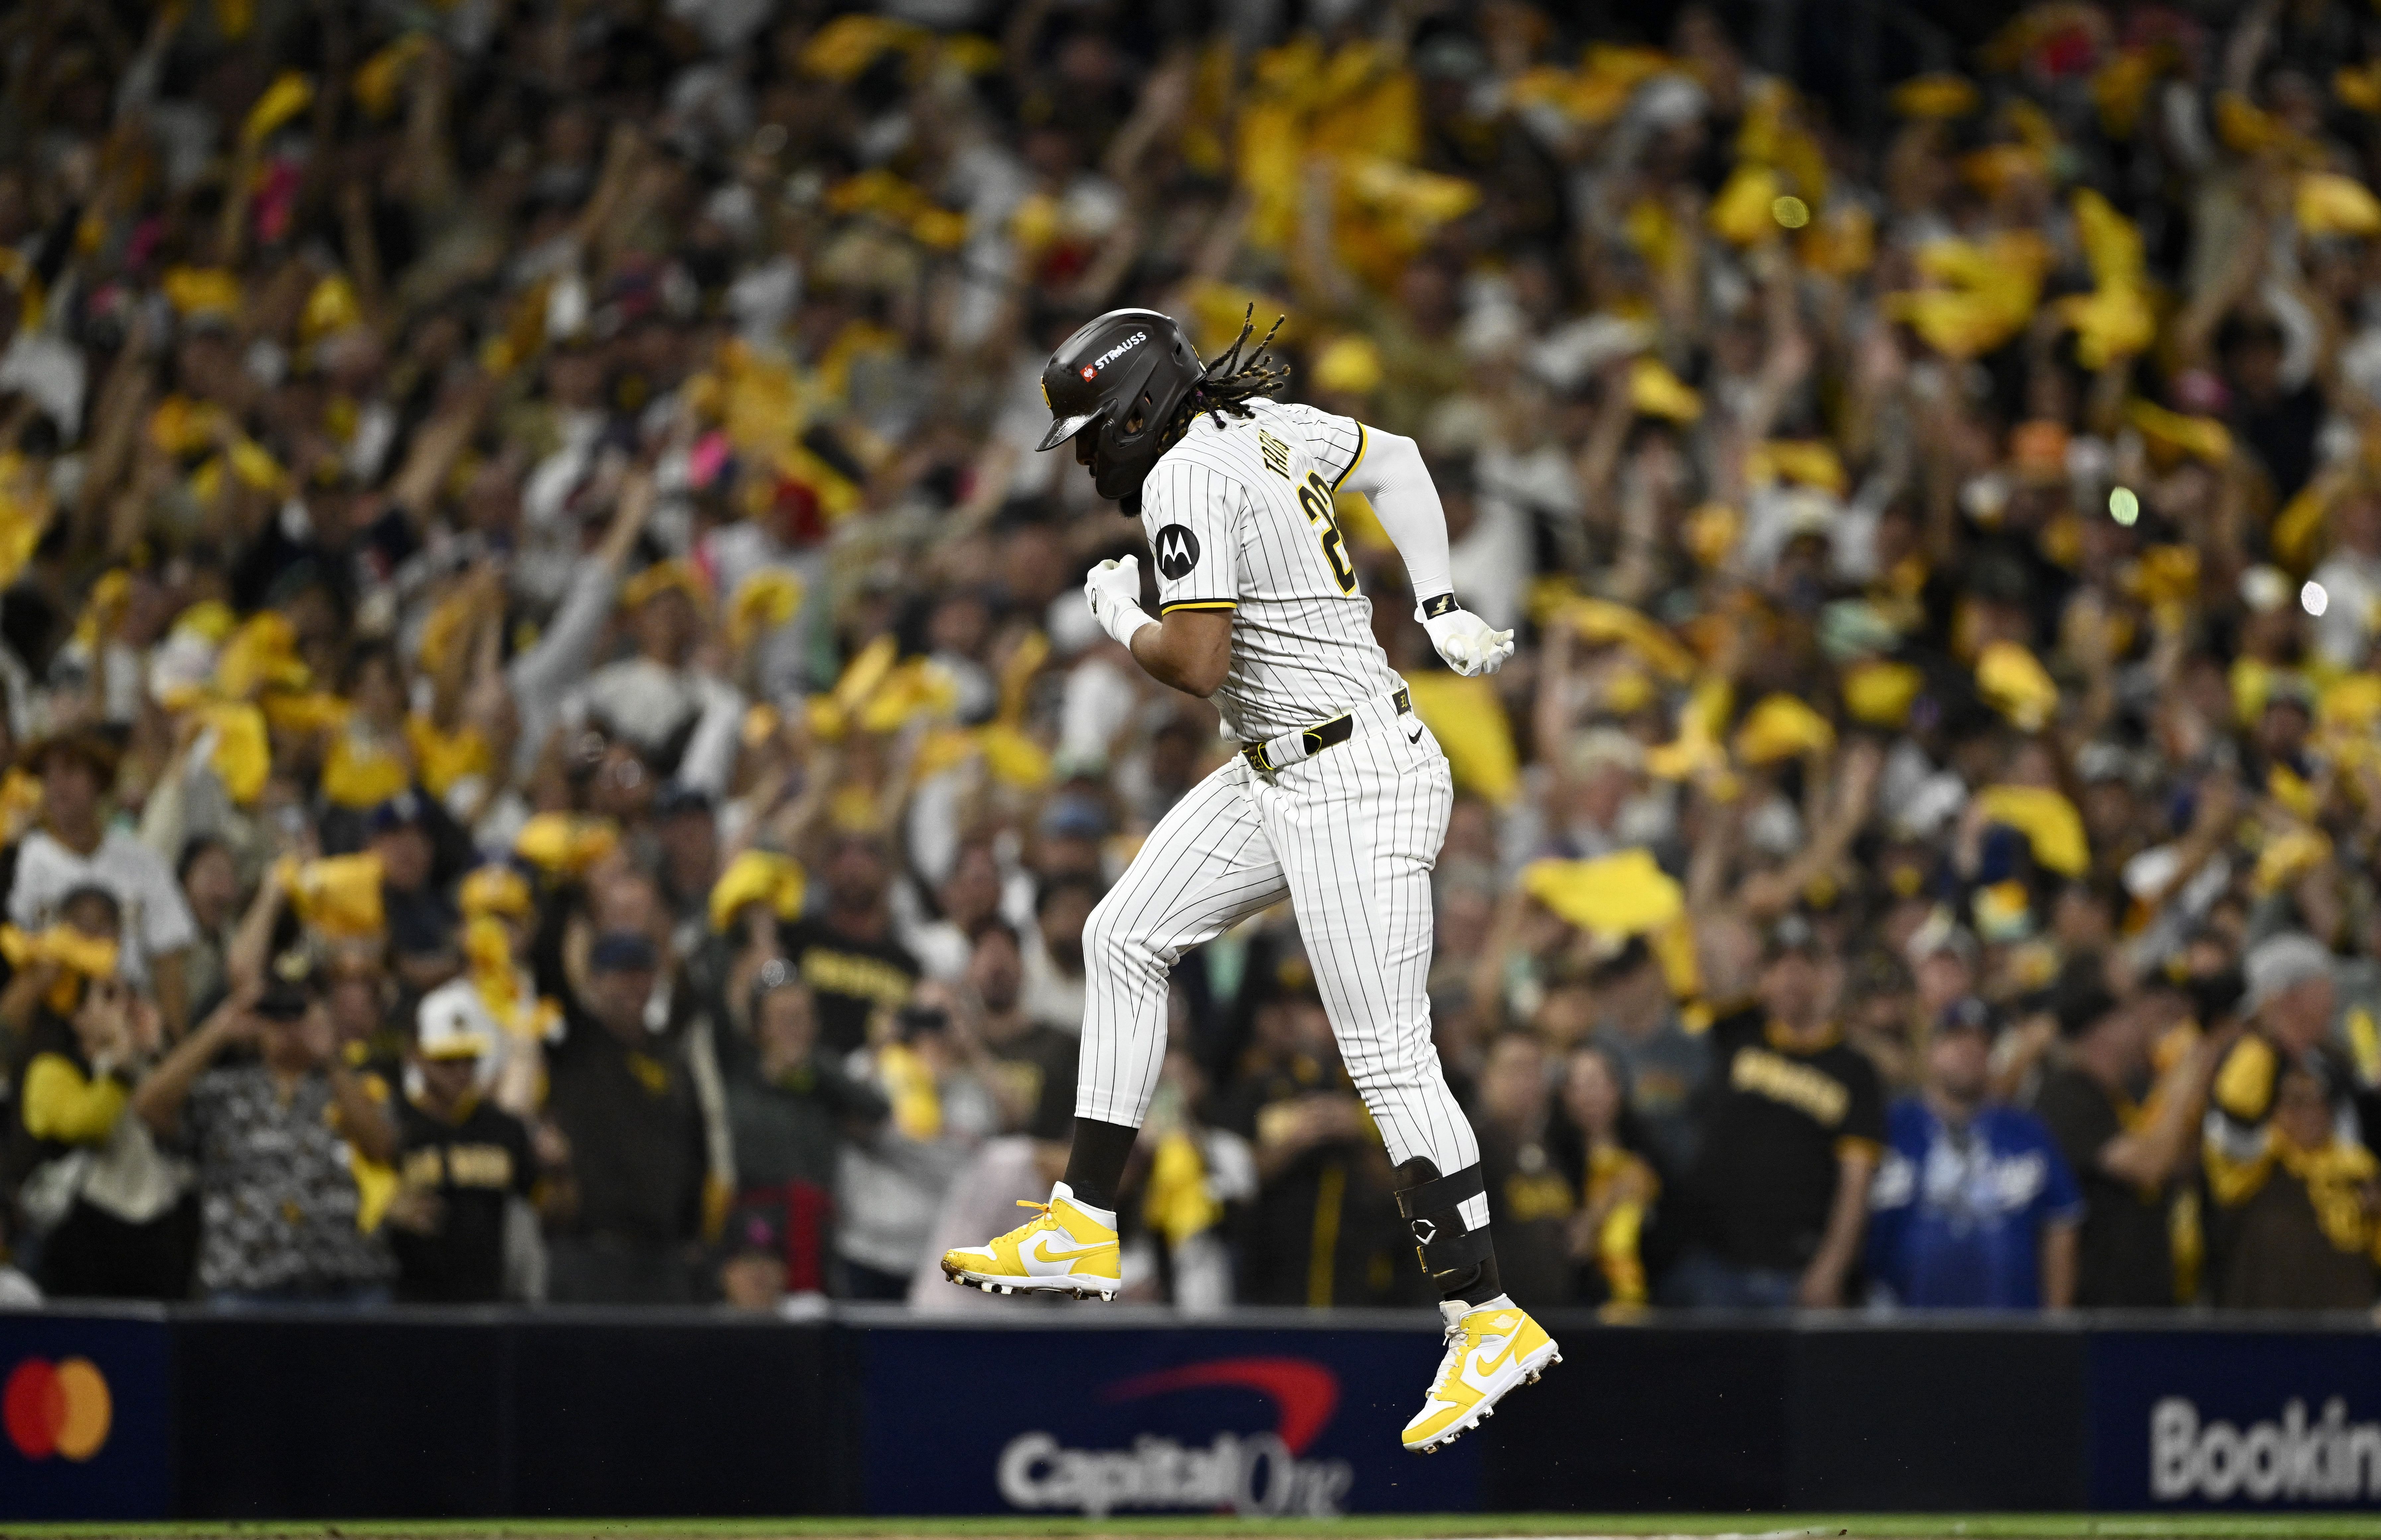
1110	950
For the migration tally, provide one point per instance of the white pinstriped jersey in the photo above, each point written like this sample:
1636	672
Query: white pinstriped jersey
1239	518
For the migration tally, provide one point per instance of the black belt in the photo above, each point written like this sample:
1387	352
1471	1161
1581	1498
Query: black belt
1323	735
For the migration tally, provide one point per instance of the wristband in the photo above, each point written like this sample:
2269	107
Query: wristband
1436	606
1125	622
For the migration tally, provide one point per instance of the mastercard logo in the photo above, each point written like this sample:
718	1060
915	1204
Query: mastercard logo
60	1408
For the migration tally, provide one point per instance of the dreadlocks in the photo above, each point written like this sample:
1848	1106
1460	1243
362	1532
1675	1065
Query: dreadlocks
1226	384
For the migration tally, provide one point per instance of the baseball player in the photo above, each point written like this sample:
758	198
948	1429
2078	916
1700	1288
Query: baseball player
1338	800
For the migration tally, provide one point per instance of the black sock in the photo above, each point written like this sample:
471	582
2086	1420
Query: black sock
1484	1285
1095	1164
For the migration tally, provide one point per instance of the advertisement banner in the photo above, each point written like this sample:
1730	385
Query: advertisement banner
84	1429
1095	1423
2276	1420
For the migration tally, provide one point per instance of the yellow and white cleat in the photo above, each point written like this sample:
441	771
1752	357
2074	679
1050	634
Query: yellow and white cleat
1490	1349
1063	1250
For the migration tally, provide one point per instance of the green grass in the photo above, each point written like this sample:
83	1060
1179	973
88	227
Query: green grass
1858	1526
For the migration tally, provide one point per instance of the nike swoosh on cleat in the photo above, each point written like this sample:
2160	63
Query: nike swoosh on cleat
1481	1361
1042	1252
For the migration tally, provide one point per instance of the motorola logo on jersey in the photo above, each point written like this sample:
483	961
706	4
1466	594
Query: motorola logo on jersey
1178	551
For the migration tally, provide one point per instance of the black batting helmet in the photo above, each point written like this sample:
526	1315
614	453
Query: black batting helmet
1127	367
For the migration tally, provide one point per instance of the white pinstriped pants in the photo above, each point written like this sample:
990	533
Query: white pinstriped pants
1351	836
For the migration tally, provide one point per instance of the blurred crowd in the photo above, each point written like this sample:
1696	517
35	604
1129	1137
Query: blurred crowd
557	751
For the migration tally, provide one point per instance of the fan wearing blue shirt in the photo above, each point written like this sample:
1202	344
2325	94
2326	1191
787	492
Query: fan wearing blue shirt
1974	1207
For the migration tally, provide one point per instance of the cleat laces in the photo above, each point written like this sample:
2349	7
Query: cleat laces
1043	1218
1448	1362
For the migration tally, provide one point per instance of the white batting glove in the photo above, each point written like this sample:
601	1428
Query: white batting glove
1468	644
1114	590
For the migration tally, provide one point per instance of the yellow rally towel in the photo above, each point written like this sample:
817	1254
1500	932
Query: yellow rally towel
1840	242
1178	1206
2331	204
26	508
1712	532
1880	693
338	895
1805	462
331	307
2115	319
488	961
565	844
303	711
1630	1184
1470	723
2048	821
376	1188
1988	291
757	877
200	291
77	955
1937	96
1782	726
763	602
909	1087
21	804
2360	88
2167	575
1349	366
2289	856
2351	703
1603	621
377	79
2122	87
2171	435
831	714
442	759
1740	210
494	889
919	686
1654	391
243	754
1013	756
663	577
2014	683
843	47
263	653
102	609
1616	895
287	96
360	771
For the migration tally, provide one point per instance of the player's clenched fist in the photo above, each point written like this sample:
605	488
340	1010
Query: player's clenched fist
1468	644
1114	590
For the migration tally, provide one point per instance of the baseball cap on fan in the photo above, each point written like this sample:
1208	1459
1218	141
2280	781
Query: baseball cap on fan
401	812
289	987
453	1022
2279	964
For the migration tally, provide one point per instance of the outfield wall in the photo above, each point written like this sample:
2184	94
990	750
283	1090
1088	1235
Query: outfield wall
580	1414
